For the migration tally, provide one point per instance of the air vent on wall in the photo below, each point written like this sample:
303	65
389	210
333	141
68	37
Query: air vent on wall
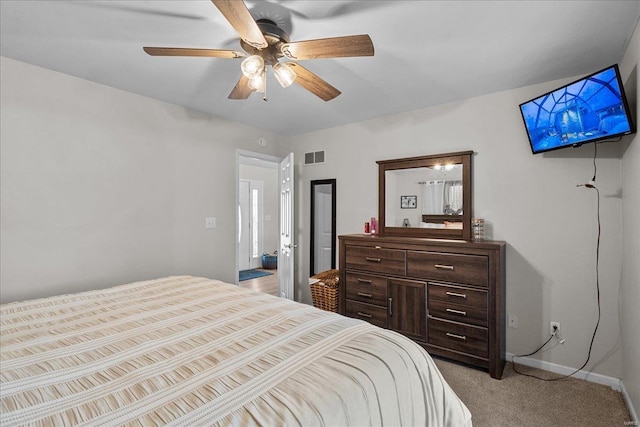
314	157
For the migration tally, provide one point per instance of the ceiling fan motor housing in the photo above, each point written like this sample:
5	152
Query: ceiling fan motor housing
275	37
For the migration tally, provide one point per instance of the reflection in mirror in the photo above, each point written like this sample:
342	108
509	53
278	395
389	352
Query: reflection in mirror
427	196
434	190
323	226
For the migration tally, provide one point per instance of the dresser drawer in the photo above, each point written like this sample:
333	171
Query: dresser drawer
460	268
459	313
373	314
458	295
455	336
366	288
374	259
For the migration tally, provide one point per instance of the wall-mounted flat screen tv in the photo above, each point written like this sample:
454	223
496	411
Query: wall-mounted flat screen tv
591	109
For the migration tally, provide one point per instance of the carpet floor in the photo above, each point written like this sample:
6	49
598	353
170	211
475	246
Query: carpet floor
518	400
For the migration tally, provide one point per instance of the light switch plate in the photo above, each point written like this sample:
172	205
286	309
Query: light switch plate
210	222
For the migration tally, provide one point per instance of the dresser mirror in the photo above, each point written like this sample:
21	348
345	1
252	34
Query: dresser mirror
426	196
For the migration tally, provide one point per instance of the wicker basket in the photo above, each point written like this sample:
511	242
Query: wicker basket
325	292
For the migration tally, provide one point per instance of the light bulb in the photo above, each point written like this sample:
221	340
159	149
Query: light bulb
437	167
257	82
448	167
284	74
252	66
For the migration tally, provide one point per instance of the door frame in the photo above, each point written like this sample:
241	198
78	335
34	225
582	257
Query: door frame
242	157
314	183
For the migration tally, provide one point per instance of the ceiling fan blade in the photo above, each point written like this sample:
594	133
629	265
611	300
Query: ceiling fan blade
313	83
241	90
334	47
181	51
240	18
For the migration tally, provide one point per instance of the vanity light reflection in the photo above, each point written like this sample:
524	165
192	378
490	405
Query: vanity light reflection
447	167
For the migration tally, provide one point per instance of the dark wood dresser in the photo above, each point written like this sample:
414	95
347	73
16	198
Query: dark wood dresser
447	295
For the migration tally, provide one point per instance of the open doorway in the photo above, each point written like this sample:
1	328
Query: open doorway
257	221
264	246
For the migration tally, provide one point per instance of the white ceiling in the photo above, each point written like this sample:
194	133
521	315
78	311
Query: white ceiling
426	52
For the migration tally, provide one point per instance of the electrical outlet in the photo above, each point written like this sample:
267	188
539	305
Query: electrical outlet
512	321
554	328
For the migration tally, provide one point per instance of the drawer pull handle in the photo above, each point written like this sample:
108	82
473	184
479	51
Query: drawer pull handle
371	259
444	267
365	281
390	306
461	313
455	294
367	315
378	247
362	294
460	337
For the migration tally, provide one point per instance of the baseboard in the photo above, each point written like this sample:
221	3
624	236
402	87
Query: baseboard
630	407
612	382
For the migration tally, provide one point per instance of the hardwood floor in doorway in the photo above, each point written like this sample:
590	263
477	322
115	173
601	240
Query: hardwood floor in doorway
266	284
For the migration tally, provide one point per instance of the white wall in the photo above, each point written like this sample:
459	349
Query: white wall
531	202
630	287
102	187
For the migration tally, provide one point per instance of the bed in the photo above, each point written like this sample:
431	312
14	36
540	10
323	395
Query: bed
186	351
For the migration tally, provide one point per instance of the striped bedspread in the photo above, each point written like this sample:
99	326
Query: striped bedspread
189	351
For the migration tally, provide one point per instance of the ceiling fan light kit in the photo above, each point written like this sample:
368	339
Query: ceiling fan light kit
266	43
258	82
252	66
284	74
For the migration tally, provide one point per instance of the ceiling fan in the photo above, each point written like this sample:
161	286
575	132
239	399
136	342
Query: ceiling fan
265	44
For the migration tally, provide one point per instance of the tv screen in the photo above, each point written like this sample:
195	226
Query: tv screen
588	110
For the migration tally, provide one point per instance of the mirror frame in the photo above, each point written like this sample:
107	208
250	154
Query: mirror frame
332	183
462	157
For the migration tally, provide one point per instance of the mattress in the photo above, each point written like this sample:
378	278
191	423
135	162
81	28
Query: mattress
186	351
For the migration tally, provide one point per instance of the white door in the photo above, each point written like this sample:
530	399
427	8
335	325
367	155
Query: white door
322	237
287	246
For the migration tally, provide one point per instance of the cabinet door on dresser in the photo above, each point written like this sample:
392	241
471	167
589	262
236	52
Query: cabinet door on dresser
407	308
